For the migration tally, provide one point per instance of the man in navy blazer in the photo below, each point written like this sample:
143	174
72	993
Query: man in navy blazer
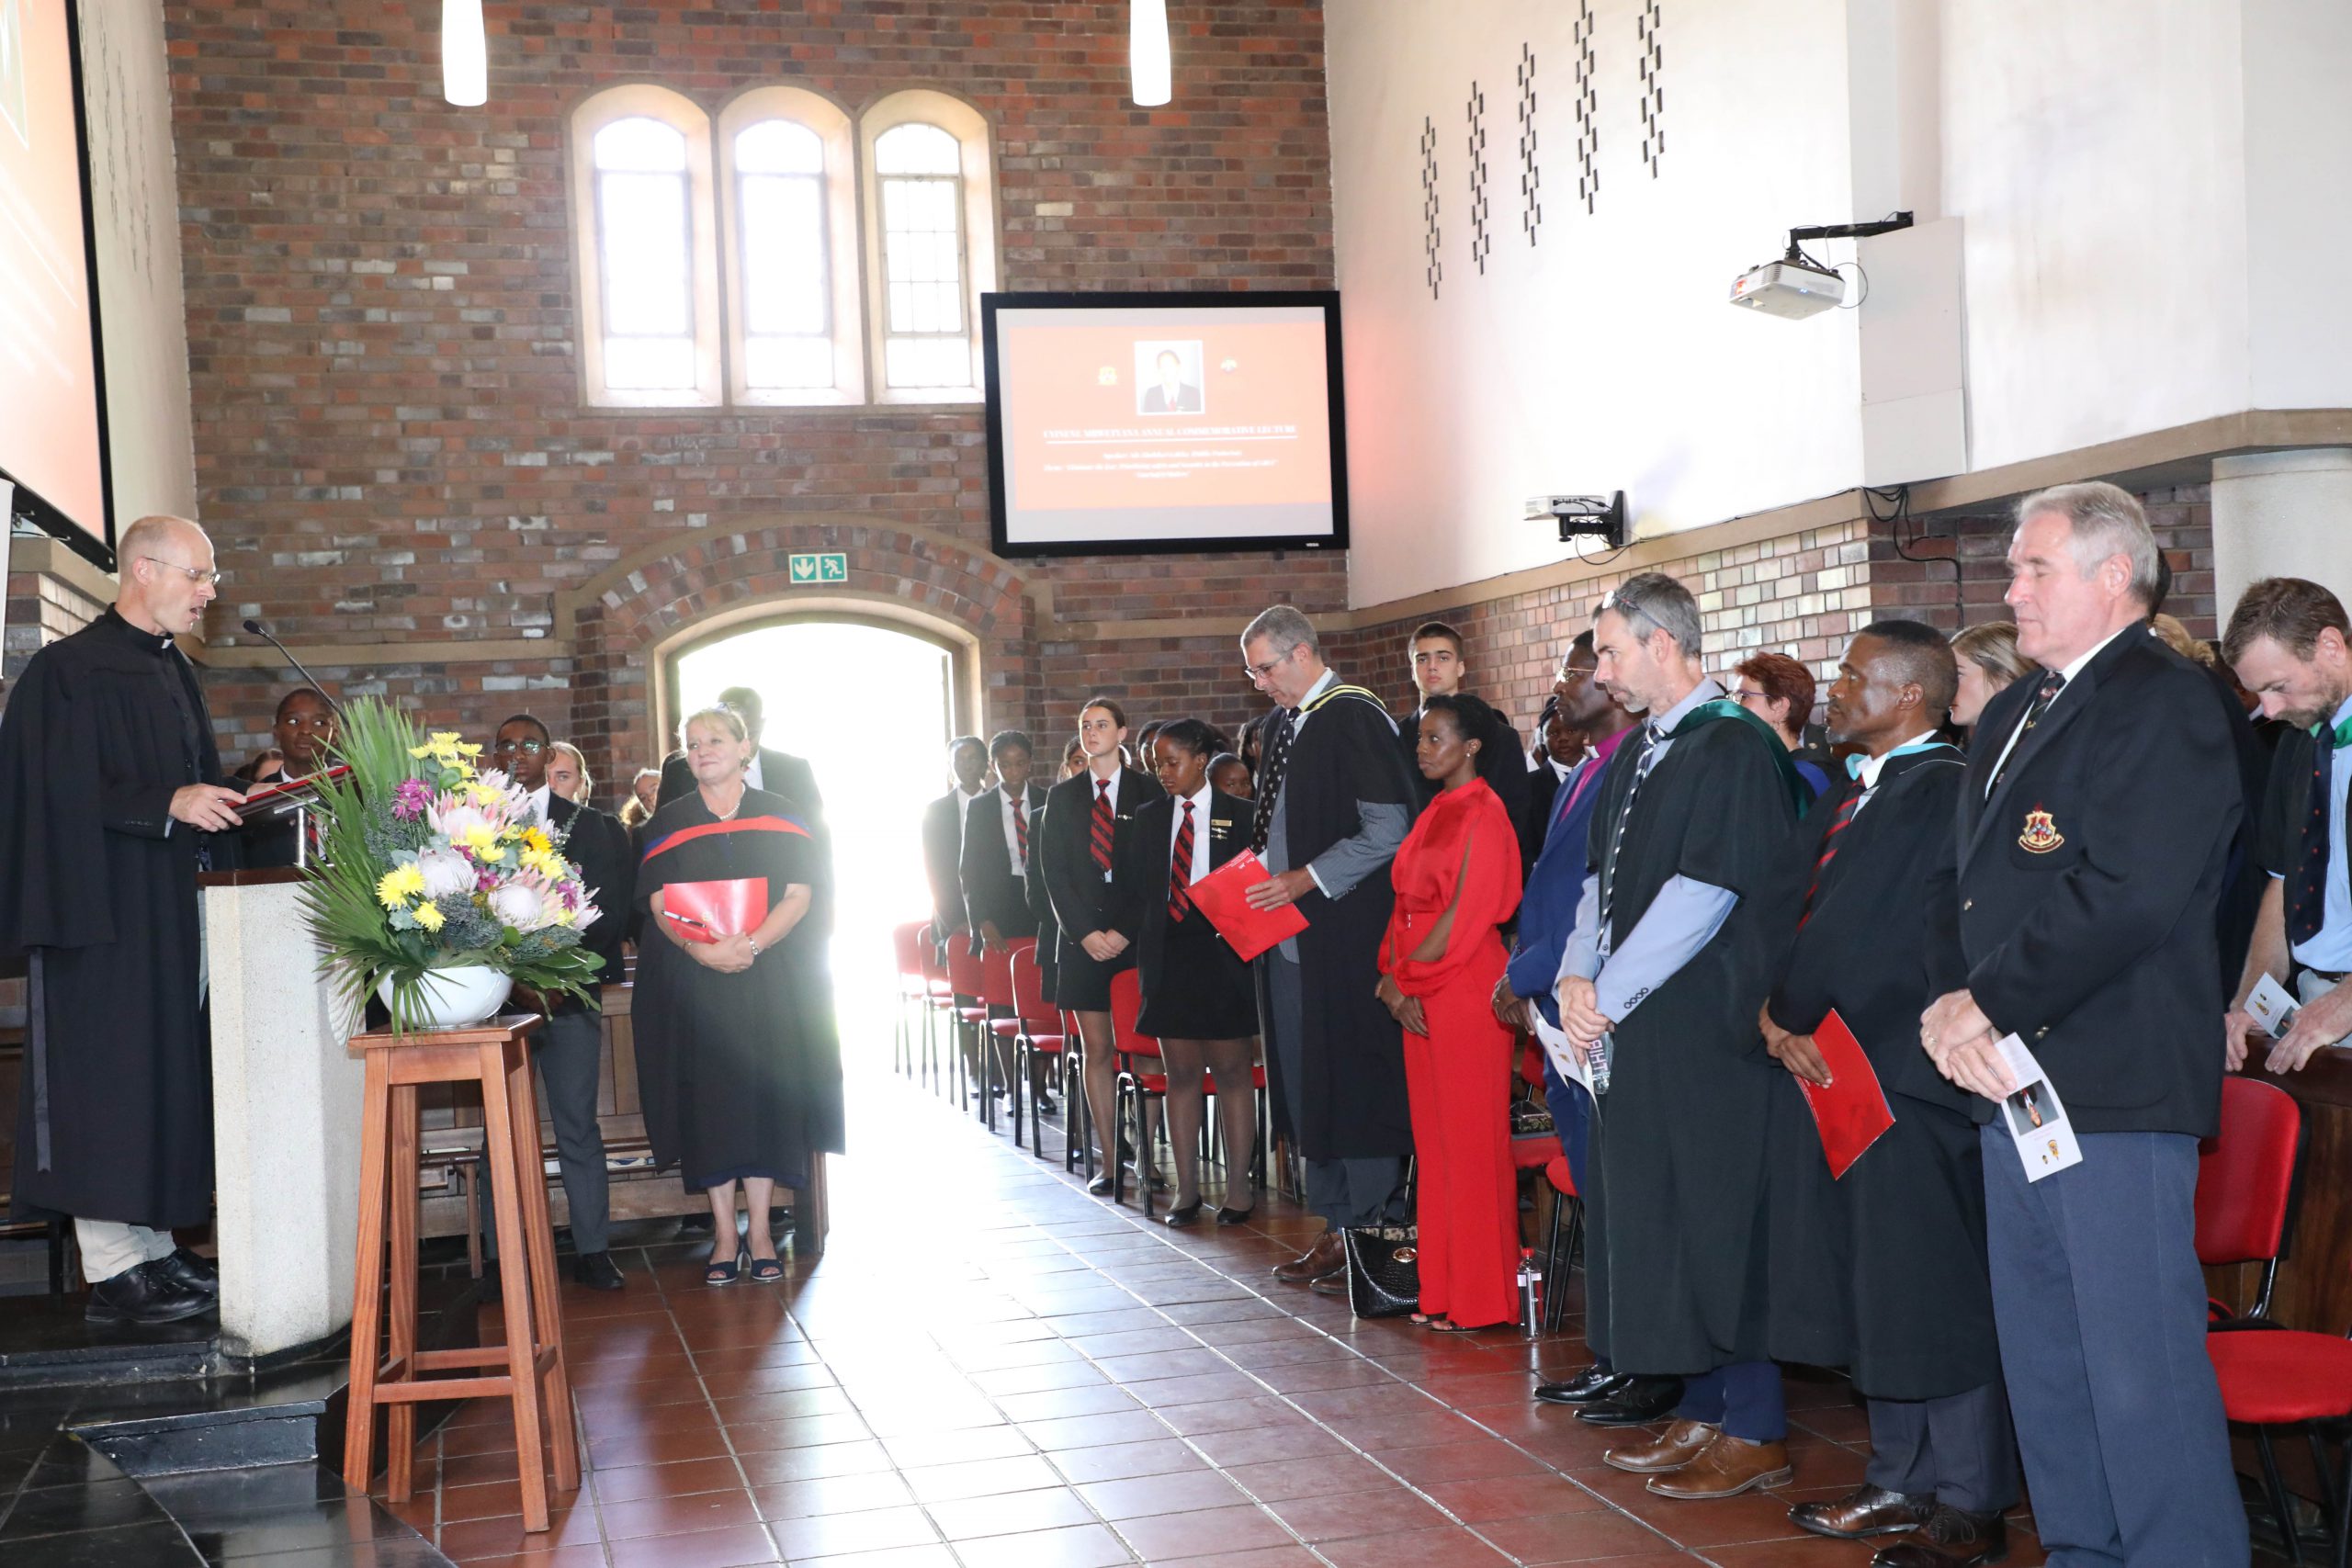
2101	800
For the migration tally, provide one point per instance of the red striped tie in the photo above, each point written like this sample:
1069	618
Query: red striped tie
1830	845
1180	869
1021	831
1102	832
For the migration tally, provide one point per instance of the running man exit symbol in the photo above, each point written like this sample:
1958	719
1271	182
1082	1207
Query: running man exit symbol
808	567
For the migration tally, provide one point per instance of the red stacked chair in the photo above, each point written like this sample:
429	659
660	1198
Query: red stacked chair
1568	1233
2269	1376
1041	1033
1536	1151
1140	1082
939	1003
1001	1020
971	1017
906	946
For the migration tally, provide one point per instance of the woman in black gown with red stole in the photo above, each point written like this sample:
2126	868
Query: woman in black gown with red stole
739	1060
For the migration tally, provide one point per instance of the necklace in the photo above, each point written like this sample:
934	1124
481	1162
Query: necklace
728	815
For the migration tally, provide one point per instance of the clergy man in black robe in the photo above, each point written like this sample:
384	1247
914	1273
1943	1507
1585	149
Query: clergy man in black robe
1692	813
110	798
1334	802
1882	1271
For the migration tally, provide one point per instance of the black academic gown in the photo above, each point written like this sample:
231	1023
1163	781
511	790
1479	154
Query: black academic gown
1882	1271
1675	1174
97	897
1078	892
1352	1054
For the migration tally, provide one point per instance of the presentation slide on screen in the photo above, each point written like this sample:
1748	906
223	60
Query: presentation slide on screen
49	383
1135	426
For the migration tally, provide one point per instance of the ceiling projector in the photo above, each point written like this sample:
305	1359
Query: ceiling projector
1793	290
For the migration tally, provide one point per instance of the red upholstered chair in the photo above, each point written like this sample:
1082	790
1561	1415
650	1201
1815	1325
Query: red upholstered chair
1567	1234
1039	1031
905	951
1141	1080
999	1024
939	1007
964	979
2269	1376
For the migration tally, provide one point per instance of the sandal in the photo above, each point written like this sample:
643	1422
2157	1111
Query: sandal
1447	1325
766	1271
1420	1320
729	1272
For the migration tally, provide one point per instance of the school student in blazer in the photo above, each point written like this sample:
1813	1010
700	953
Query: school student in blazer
1088	817
1199	999
1000	836
943	834
2095	821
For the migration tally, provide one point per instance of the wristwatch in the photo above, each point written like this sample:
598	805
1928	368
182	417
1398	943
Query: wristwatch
755	945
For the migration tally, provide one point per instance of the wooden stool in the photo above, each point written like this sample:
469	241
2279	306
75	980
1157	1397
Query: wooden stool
493	1054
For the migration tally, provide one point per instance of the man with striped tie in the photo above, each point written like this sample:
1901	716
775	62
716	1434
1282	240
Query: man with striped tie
995	870
1881	1271
1692	810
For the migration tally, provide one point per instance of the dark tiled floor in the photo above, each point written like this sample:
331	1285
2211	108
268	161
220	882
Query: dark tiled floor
990	1369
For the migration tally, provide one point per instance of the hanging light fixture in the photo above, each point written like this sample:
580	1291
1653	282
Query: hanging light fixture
465	55
1148	61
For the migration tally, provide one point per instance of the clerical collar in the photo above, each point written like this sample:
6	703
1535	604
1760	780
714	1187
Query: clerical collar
160	642
1868	769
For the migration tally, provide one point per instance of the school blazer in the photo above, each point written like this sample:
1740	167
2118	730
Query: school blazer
1138	908
991	893
1080	896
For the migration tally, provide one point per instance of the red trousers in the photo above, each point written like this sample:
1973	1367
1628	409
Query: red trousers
1458	1075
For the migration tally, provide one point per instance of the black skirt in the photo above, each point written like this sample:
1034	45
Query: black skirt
1206	992
1081	984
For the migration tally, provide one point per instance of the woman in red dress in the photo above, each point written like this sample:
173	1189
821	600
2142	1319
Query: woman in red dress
1457	881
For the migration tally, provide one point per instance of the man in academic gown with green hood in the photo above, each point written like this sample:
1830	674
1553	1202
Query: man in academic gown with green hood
110	798
1334	802
1692	813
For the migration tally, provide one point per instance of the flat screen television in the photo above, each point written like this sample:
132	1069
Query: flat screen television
1127	423
52	399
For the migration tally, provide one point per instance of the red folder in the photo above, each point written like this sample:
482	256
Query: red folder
1850	1110
1223	897
704	911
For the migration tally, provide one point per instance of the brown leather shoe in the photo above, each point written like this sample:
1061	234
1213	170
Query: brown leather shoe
1725	1468
1950	1540
1326	1255
1660	1456
1335	1283
1867	1510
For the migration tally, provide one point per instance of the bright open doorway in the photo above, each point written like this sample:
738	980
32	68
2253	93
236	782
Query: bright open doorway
871	709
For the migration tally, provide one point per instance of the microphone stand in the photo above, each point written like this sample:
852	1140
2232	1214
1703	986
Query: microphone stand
301	812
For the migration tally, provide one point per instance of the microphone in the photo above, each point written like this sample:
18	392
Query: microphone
257	629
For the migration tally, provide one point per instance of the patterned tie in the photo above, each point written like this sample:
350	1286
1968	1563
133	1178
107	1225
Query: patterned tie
1099	837
1180	869
1641	765
2052	684
2307	905
1830	846
1021	831
1269	781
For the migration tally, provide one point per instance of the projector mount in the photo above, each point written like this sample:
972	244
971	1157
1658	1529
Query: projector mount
1797	237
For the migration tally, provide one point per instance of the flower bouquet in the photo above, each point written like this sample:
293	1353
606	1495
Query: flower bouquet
432	866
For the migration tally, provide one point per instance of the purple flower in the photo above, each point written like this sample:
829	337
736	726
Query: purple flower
409	801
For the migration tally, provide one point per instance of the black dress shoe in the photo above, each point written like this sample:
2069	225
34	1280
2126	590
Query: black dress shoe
597	1271
1234	1216
1640	1402
1596	1382
1047	1105
189	1271
144	1295
1100	1186
1866	1511
1183	1214
1950	1538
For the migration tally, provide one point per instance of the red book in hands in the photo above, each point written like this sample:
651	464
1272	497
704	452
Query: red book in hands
706	911
1223	897
1850	1109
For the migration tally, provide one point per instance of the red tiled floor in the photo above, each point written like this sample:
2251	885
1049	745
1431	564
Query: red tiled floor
1053	1383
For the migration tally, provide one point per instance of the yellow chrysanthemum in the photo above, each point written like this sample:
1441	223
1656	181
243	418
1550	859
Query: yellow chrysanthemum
429	916
420	753
470	750
482	839
537	841
399	885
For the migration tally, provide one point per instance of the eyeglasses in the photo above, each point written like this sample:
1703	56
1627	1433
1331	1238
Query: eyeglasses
192	574
1260	671
528	748
1743	698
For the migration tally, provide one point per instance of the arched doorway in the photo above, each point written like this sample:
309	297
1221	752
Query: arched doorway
871	704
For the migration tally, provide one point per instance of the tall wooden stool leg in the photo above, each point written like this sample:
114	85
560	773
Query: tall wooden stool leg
547	1307
368	1295
400	1435
499	1147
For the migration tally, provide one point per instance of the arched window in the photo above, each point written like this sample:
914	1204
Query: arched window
642	209
931	245
785	156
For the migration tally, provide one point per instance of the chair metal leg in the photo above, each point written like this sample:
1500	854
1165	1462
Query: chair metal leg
1019	1086
1118	1168
1145	1162
2281	1508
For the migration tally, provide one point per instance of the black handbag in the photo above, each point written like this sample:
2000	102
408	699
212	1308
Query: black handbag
1528	1121
1384	1270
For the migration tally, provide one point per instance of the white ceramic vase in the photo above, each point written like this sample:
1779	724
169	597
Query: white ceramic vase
454	999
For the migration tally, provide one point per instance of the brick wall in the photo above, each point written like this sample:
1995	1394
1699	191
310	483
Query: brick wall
383	335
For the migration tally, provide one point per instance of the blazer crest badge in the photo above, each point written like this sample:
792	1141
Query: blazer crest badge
2041	835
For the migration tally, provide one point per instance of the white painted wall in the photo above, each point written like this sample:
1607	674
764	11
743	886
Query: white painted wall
1604	356
2297	75
142	312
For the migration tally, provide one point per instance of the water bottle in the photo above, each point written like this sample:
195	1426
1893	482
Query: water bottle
1531	1291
